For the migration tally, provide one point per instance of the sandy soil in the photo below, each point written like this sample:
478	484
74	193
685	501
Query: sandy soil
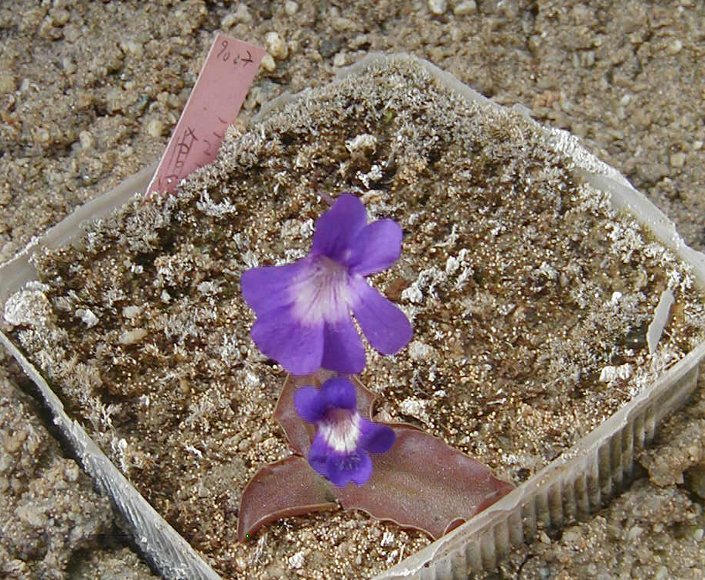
90	91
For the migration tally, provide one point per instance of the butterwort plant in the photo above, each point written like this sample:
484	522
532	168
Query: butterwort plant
305	322
305	309
420	482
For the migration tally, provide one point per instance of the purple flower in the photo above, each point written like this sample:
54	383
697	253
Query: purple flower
303	309
340	450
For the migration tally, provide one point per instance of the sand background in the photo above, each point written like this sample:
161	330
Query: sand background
89	92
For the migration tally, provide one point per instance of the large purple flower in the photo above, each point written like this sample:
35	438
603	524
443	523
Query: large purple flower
340	450
303	309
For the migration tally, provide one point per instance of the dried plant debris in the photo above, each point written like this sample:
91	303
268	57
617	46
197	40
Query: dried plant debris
530	300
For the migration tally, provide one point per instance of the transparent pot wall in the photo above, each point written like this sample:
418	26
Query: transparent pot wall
578	481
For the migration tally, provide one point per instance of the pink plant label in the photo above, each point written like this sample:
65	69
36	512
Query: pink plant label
214	103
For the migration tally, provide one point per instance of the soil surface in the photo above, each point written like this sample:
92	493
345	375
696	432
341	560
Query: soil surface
89	93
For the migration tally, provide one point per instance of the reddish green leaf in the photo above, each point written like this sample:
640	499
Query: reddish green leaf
286	488
423	483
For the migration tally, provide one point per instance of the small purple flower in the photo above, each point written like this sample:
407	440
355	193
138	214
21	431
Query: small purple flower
303	309
340	450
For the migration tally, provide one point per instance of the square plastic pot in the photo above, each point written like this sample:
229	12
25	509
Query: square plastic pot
576	483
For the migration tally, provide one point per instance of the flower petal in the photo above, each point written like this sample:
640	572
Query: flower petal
342	348
363	472
339	393
386	327
310	404
376	438
298	348
318	455
356	467
267	288
336	228
375	248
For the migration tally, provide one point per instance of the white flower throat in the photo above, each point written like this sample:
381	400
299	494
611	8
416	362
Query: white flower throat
341	431
322	293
